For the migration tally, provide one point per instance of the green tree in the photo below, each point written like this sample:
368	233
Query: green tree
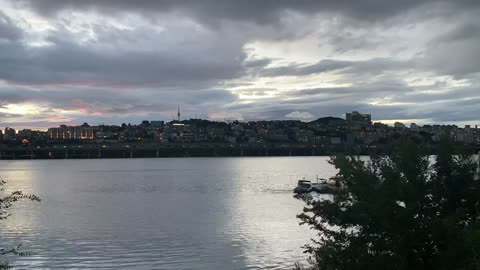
6	202
404	210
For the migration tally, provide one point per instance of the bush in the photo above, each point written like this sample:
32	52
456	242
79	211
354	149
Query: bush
399	211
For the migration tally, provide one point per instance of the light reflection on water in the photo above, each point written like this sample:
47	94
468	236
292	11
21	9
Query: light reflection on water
186	213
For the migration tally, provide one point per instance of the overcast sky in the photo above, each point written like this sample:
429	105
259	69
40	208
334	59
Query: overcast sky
122	61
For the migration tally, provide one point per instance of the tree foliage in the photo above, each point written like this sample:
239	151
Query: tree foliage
404	210
6	202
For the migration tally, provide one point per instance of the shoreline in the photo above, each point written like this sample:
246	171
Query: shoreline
195	150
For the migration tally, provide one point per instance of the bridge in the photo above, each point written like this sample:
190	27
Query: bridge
87	151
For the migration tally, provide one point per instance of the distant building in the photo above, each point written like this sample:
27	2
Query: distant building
158	137
175	132
238	130
145	123
468	134
157	124
9	134
304	136
216	132
102	135
277	135
335	140
356	118
414	127
83	132
25	133
399	125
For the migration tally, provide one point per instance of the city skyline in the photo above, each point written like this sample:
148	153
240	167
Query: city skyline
327	134
114	62
347	117
79	121
179	117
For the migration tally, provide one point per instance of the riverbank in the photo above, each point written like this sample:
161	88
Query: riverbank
95	151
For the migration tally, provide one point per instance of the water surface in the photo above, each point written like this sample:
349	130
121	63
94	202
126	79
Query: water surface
176	213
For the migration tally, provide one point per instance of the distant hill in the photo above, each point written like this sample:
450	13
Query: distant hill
328	119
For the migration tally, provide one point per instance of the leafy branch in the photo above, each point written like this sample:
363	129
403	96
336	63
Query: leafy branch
6	202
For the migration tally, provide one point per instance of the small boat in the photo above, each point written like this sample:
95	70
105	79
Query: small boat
322	186
303	186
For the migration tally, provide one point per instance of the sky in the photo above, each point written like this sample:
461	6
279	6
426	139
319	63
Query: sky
122	61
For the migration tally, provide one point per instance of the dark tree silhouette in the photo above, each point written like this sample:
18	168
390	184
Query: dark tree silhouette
404	210
6	202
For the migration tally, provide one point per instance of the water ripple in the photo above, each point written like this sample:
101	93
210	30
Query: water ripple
159	213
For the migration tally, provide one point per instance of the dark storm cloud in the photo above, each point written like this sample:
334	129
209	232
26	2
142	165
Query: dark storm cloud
453	106
467	31
299	70
67	61
106	101
344	41
94	81
260	63
8	30
374	89
10	54
261	12
455	52
464	92
448	111
321	106
166	53
375	65
473	101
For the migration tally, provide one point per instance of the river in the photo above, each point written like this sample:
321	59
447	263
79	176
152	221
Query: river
173	213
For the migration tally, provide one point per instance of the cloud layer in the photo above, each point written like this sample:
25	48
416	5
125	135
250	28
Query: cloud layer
122	61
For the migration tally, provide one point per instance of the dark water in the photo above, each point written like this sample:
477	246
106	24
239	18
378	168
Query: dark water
185	213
